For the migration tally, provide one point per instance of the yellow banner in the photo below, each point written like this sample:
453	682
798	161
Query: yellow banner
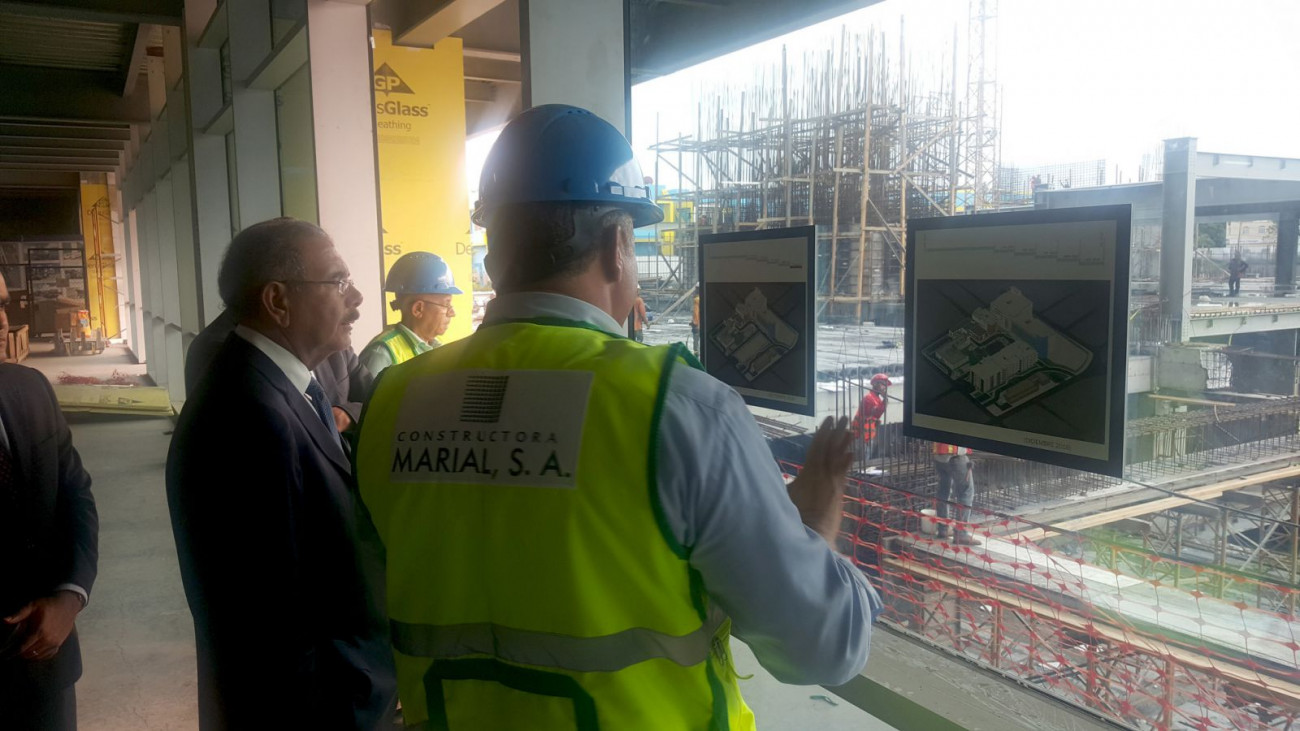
420	123
101	260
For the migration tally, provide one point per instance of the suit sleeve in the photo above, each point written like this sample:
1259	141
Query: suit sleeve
236	527
77	520
359	383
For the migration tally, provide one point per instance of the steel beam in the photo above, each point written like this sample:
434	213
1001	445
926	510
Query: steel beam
158	12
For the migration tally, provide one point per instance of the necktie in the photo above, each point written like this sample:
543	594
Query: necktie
322	406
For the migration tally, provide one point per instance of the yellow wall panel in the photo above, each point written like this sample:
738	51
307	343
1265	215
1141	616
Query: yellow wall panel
420	123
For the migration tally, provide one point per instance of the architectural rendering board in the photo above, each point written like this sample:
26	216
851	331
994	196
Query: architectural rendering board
756	313
1017	334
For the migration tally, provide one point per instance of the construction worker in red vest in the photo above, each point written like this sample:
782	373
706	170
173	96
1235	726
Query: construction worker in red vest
872	409
956	487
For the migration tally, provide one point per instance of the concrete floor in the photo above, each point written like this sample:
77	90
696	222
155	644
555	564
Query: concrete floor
137	635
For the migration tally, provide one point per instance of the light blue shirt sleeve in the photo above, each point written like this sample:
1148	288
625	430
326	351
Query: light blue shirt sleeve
375	358
805	610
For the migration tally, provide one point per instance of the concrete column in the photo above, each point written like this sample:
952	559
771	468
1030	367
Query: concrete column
575	52
1288	232
1178	233
212	224
343	119
257	158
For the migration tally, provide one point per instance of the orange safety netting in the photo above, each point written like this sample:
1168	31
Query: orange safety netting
1146	640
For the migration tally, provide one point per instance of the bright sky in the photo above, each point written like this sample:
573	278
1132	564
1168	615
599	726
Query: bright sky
1080	79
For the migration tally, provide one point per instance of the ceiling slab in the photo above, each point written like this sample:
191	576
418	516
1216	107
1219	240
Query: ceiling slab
158	12
668	36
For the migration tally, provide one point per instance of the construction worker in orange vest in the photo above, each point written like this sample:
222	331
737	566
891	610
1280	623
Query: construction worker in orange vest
871	411
956	486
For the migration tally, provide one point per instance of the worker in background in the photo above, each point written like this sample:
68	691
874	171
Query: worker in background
956	485
1236	268
866	423
695	322
639	320
589	518
424	286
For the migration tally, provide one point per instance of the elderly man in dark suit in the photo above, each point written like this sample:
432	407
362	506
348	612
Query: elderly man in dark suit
345	381
282	567
49	540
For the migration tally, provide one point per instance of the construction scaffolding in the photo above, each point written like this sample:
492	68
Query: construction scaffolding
855	139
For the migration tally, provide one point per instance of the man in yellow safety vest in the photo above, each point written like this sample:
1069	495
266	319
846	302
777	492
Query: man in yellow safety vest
575	523
424	286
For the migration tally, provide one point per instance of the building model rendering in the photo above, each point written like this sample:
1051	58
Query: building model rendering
1004	357
753	337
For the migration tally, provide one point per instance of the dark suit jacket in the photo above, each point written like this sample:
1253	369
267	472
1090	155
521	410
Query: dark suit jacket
345	381
282	568
53	536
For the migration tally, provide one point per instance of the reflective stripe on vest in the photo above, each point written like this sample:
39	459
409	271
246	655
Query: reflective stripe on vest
397	344
577	654
533	578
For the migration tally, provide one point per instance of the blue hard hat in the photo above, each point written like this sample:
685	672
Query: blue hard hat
420	272
557	153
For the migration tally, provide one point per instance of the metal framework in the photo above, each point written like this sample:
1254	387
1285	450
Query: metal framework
852	139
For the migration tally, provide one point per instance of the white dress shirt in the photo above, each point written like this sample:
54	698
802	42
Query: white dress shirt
295	370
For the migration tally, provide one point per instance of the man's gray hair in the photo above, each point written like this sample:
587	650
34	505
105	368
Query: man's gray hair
260	254
539	242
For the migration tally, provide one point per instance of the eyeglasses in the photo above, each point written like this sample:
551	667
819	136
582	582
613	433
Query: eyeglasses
444	305
342	285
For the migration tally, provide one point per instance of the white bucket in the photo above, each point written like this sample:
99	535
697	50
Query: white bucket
929	523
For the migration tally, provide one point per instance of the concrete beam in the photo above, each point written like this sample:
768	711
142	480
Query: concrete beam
61	143
425	22
56	130
38	179
58	167
1221	165
1177	232
488	54
909	684
1288	237
131	74
67	94
158	12
63	158
567	40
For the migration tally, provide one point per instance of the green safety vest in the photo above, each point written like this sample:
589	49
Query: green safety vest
533	581
399	346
